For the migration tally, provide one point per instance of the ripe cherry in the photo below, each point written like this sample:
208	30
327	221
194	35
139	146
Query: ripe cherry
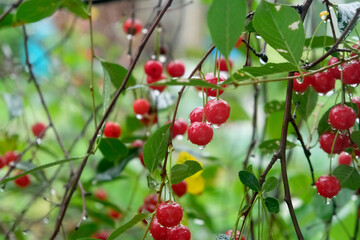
137	143
180	188
200	133
196	115
351	73
141	106
23	181
342	117
157	231
217	111
357	46
115	214
132	26
301	86
153	68
150	80
334	72
328	186
210	78
179	233
169	214
223	66
2	162
345	158
10	156
151	199
323	82
101	194
180	127
112	130
237	237
326	141
102	235
175	68
356	100
38	128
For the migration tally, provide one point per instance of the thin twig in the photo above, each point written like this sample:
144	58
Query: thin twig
15	5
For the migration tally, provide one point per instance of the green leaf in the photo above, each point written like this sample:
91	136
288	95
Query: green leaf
247	73
319	42
14	104
77	7
249	180
87	238
355	137
347	176
222	237
226	20
274	106
281	27
106	90
151	182
113	149
117	232
270	184
346	12
8	21
321	209
117	74
155	148
273	145
272	204
35	10
306	102
181	171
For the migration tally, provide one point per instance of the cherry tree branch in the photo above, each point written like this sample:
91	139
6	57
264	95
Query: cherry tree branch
13	6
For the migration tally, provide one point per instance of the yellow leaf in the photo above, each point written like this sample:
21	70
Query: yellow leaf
195	184
184	156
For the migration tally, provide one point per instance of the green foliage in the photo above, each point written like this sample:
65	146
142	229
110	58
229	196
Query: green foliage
347	176
273	145
306	102
117	232
35	10
249	180
113	149
117	74
181	171
272	204
270	184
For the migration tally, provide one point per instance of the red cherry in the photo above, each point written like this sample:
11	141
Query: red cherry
179	233
357	47
153	68
180	188
328	186
334	72
157	231
176	68
323	82
151	199
342	117
2	162
102	235
132	26
180	127
200	133
239	41
217	111
196	115
210	78
101	194
115	214
141	157
326	141
137	143
301	86
356	100
351	73
38	129
141	106
237	237
23	181
150	80
223	66
345	158
169	214
112	130
10	156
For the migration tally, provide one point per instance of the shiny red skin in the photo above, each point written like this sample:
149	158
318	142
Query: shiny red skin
326	141
112	130
356	100
328	186
23	181
301	86
2	162
132	27
176	68
217	111
357	46
323	82
101	194
151	199
10	156
169	214
153	68
200	133
334	72
141	106
210	78
196	115
351	73
38	128
150	80
157	231
345	158
102	235
179	233
180	127
180	188
223	66
237	237
342	117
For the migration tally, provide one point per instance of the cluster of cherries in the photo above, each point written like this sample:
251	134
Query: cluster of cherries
102	195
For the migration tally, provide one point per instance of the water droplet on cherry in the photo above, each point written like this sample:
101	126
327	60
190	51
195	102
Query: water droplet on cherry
129	36
201	147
